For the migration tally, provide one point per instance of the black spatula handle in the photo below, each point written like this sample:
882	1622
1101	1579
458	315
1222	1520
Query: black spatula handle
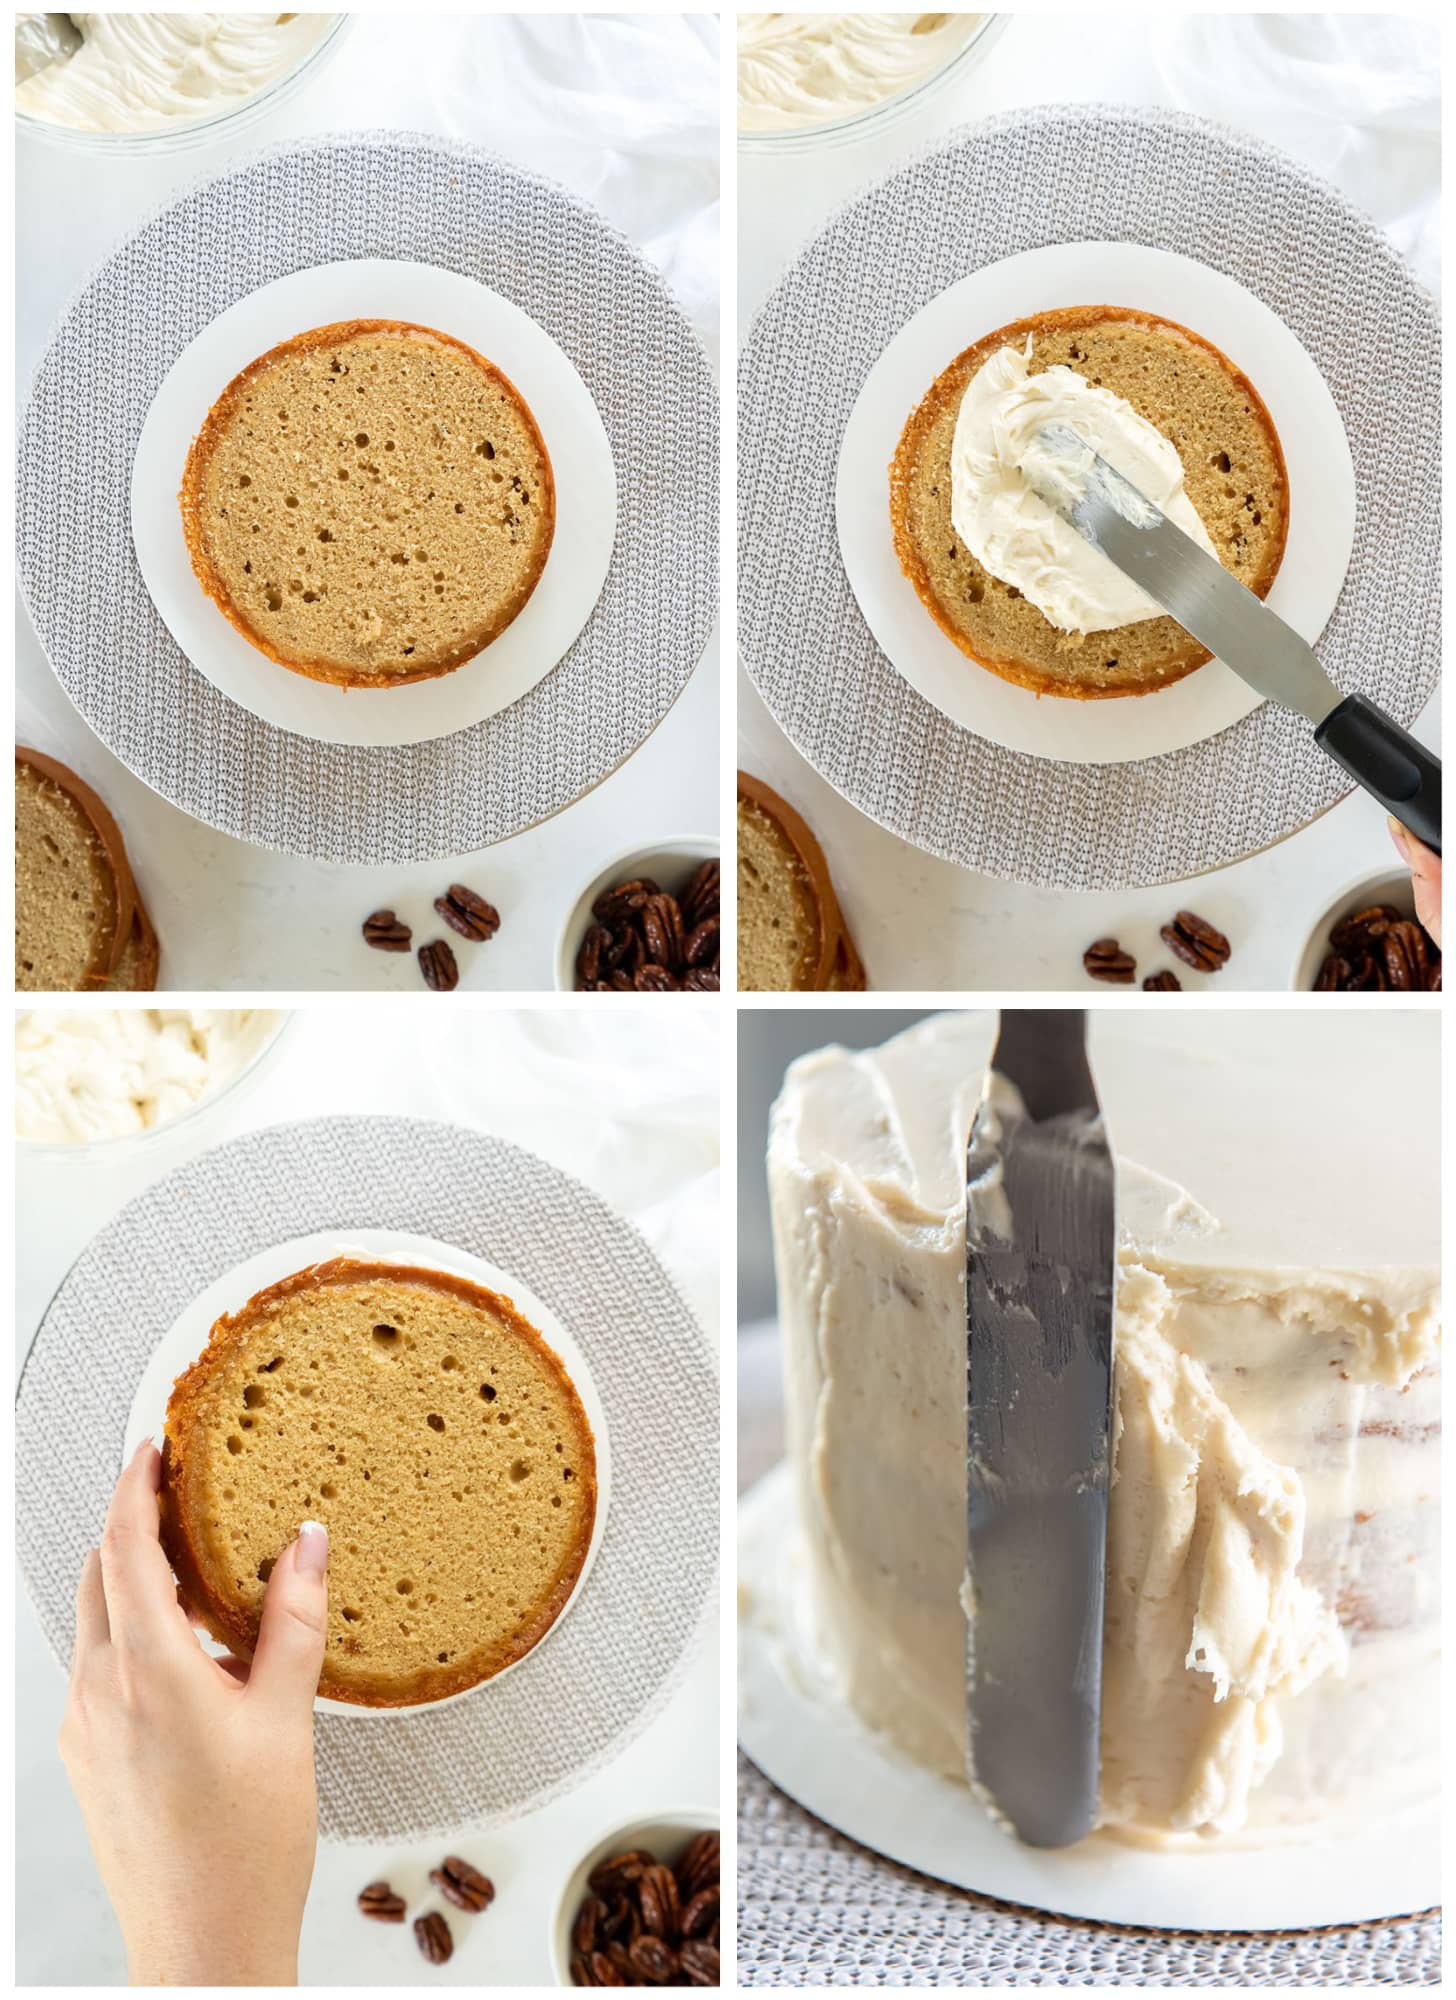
1388	762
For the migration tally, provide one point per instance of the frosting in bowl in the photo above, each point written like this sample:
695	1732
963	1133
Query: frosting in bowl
797	70
112	1072
143	72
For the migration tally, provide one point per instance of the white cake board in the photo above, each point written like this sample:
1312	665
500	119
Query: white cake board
1316	454
186	1338
796	1727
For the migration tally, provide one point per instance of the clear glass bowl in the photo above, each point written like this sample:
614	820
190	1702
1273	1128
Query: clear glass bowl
876	118
228	120
126	1145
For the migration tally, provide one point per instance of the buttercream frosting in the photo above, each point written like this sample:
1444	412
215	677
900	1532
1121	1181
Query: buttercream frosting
110	1072
798	70
1016	534
1271	1634
141	72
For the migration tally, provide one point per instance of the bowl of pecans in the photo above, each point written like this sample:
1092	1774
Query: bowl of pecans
646	923
641	1907
1368	941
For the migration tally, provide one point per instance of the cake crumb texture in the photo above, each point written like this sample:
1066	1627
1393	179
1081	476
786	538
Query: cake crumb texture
779	918
369	503
434	1433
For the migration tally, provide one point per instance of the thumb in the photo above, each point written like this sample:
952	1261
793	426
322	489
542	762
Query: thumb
289	1655
1425	870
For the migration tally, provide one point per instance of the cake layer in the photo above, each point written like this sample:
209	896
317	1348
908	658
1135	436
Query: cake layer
1273	1542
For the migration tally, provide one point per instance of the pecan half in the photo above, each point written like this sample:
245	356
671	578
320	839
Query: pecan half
605	1971
698	1863
1162	982
657	1899
438	968
702	941
612	1877
700	898
657	979
461	1884
595	951
379	1901
586	1932
653	1961
1106	959
432	1935
701	1912
655	933
627	897
385	932
700	1962
1196	942
468	914
701	979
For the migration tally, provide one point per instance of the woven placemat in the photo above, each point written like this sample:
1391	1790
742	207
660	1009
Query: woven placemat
370	195
1016	182
817	1909
608	1668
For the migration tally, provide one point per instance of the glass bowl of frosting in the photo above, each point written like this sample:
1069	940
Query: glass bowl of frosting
132	83
812	80
101	1081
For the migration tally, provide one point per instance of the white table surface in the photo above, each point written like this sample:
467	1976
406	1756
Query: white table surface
235	917
65	1932
925	924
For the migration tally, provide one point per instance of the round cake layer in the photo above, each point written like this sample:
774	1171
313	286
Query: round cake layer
369	503
433	1432
1233	474
1273	1566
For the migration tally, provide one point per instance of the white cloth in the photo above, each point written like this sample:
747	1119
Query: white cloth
628	1103
622	109
1357	97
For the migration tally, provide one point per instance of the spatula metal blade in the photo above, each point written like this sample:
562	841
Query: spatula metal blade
1041	1259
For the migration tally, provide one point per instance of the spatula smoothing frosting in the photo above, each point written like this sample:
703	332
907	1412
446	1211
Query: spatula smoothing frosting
1270	1650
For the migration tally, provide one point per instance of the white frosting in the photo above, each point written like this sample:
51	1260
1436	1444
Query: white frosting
796	70
1271	1634
139	72
1018	536
111	1071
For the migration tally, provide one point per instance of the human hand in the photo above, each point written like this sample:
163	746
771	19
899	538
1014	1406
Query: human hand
195	1776
1425	869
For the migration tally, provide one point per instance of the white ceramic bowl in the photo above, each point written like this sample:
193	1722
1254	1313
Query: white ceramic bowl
155	1140
665	1835
1388	886
670	863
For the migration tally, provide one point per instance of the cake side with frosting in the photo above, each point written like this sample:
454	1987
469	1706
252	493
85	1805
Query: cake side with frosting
1270	1646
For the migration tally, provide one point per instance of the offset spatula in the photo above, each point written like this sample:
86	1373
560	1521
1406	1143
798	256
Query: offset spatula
1237	627
1041	1262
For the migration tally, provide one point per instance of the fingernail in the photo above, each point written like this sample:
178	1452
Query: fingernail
313	1548
1398	835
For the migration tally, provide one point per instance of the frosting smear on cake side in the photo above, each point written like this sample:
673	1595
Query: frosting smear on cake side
1271	1638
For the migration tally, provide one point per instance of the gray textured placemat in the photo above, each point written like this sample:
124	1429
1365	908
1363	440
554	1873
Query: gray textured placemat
1061	175
817	1909
370	195
580	1697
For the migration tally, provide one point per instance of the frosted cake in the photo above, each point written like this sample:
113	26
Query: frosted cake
1270	1655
